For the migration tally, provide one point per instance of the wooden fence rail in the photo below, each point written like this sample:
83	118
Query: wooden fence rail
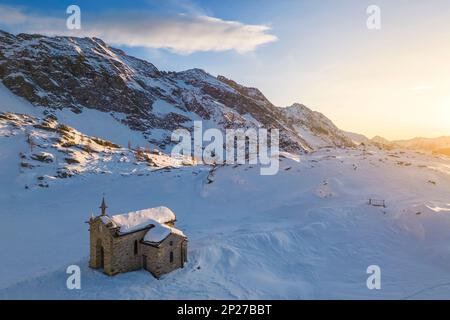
377	203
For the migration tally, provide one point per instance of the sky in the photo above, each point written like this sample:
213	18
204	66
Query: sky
393	81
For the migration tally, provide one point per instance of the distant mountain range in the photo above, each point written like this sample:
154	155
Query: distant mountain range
438	146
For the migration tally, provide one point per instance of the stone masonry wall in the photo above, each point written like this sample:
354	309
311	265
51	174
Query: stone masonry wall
124	258
158	259
100	236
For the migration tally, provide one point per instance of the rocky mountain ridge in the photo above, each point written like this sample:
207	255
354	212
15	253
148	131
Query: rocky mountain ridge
78	73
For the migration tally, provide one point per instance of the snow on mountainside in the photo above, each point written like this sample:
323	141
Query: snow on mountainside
45	151
79	74
439	145
70	106
357	138
315	127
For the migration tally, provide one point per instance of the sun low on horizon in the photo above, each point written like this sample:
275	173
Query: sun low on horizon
391	81
398	90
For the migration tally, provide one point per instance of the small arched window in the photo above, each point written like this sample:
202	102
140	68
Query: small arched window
171	256
135	247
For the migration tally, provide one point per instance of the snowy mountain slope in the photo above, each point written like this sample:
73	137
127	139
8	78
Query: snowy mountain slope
39	151
307	232
437	146
440	145
358	138
425	143
65	73
382	142
315	128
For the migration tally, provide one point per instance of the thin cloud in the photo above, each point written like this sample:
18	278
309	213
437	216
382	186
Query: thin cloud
182	33
421	88
19	20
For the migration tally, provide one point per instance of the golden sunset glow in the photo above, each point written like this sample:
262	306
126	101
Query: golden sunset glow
393	82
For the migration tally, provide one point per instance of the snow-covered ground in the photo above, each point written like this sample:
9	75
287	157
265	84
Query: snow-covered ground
304	233
307	232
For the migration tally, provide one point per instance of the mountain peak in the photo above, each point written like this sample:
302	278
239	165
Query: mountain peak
73	73
250	92
297	105
316	127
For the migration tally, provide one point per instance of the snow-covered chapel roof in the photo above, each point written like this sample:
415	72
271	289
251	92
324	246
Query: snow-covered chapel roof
159	232
136	220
